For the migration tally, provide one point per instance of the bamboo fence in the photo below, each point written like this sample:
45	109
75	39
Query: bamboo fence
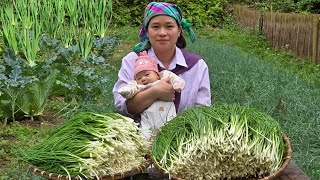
297	32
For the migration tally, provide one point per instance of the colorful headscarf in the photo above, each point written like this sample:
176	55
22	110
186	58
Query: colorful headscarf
161	8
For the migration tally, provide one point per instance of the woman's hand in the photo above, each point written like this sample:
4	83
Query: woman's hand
164	90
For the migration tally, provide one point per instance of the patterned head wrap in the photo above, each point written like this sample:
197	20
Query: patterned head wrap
161	8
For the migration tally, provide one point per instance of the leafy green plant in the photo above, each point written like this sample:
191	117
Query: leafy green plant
23	92
202	12
128	12
85	73
34	97
308	6
12	82
84	82
285	6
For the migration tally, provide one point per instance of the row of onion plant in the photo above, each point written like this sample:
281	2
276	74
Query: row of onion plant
73	23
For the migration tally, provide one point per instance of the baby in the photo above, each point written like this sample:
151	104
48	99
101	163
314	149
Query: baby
146	74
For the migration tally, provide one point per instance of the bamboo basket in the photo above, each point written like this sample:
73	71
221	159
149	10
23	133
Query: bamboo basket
121	175
286	160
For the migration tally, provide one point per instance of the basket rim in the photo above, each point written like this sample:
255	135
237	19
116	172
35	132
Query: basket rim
286	159
119	175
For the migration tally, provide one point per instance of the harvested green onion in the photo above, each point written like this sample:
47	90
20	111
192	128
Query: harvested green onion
90	145
219	142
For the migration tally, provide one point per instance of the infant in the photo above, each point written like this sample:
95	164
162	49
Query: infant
146	74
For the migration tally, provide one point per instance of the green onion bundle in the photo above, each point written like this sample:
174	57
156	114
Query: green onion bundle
90	145
219	142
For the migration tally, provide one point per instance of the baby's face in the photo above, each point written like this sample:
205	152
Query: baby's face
146	77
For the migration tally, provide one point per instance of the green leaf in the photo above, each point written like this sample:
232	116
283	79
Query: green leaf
35	96
15	73
10	58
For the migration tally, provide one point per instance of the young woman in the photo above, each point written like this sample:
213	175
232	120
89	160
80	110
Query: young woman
162	37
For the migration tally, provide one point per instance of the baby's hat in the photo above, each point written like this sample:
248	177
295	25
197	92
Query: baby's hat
144	62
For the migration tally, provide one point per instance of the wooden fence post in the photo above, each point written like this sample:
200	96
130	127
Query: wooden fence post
315	37
260	22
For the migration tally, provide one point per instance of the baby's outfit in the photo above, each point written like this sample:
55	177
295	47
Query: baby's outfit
160	112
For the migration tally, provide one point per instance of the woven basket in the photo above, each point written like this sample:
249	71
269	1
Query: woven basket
136	170
286	160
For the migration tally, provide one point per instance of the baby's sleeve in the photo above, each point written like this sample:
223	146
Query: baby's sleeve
129	90
177	82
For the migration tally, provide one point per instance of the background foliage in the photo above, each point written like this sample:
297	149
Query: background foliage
286	6
198	12
207	12
203	12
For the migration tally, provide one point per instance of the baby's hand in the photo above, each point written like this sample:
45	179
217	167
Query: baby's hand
178	85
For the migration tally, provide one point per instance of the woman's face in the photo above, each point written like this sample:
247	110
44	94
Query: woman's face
145	77
163	32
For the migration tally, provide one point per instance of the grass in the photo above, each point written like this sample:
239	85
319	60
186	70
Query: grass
19	136
243	69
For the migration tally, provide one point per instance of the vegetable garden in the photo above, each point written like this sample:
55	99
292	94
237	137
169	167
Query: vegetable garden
58	65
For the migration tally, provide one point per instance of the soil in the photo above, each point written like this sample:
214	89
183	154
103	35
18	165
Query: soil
48	119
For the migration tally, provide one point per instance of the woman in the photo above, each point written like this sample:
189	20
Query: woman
161	36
